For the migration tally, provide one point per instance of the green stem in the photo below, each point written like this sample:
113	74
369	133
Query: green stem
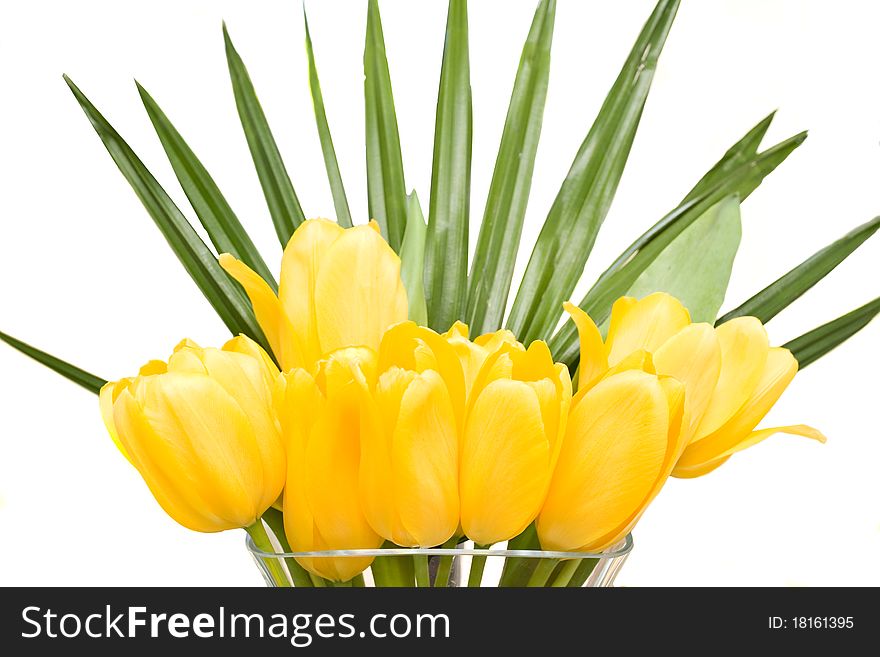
542	572
517	570
569	568
318	582
393	571
584	570
423	578
358	581
444	567
478	564
261	540
298	574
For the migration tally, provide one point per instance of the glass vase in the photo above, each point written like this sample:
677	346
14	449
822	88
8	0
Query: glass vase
460	566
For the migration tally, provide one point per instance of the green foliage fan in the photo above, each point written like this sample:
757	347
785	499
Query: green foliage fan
434	255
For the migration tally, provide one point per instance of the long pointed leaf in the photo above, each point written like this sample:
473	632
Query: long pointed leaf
223	227
573	223
386	187
629	265
337	189
811	346
446	247
501	229
699	283
738	154
767	303
79	376
412	260
220	290
280	196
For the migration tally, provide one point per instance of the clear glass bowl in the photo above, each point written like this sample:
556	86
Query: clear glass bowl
443	567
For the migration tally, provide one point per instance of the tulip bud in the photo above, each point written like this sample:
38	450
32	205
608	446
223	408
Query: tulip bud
513	431
320	419
622	440
338	288
202	433
409	464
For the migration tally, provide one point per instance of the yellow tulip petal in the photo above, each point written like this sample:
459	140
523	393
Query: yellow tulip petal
612	457
690	469
494	341
779	369
504	462
270	314
242	376
345	366
165	469
109	392
301	411
677	441
640	360
241	344
693	356
425	462
646	324
304	255
298	403
152	367
533	364
593	359
458	330
757	436
619	310
378	421
744	352
358	291
496	366
187	359
333	461
209	444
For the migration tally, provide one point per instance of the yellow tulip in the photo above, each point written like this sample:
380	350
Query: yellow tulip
409	465
412	418
621	443
202	433
732	377
515	420
338	288
320	419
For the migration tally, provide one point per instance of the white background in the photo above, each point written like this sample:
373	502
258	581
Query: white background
87	276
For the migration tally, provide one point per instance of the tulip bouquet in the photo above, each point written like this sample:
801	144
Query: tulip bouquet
375	410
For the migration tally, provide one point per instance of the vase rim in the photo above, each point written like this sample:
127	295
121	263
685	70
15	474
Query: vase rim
621	549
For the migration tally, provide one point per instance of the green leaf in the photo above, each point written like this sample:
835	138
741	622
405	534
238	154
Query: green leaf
340	202
223	227
696	267
629	265
767	303
501	229
280	196
738	154
811	346
79	376
386	188
221	291
568	235
446	246
412	260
